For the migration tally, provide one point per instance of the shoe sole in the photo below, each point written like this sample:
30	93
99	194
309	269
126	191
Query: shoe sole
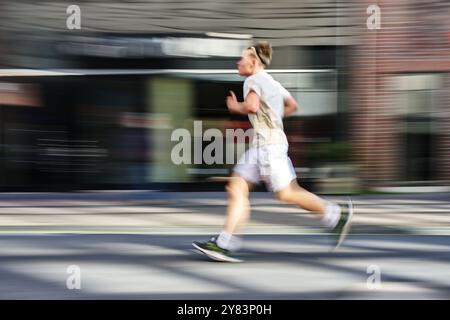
216	256
347	226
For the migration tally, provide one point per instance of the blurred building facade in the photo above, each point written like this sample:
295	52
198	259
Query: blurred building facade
375	103
400	94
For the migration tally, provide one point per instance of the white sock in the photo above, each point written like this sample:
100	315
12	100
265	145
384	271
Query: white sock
227	241
332	215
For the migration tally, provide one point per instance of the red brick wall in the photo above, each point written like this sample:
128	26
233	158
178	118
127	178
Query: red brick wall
410	41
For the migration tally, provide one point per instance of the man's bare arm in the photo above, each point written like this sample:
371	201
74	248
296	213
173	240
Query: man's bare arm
290	106
249	105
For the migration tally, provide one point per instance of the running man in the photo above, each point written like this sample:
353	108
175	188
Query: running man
266	102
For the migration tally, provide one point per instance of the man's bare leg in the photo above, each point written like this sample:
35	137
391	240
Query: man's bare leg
329	213
306	200
238	213
238	209
332	215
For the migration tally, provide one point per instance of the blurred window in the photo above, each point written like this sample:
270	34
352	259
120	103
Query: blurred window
418	104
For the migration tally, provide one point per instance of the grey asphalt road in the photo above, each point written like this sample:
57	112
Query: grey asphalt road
143	266
137	245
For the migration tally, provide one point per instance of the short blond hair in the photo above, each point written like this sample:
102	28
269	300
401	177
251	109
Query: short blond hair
263	52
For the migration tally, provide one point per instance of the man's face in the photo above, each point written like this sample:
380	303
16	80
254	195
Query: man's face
246	63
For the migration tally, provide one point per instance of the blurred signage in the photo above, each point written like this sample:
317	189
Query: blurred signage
145	120
142	47
17	94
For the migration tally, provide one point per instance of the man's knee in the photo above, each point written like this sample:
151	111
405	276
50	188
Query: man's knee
237	188
284	195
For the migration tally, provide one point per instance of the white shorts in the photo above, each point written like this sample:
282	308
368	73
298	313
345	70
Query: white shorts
269	163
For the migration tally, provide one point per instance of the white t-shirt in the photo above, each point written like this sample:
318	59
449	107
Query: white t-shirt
267	122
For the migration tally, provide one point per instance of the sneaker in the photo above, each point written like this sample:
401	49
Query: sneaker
343	226
213	251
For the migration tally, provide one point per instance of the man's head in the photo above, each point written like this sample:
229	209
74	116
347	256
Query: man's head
255	58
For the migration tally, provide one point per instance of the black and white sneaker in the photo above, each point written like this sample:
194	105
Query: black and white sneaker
343	226
213	251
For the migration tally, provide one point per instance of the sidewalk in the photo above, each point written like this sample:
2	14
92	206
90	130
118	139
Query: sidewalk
203	212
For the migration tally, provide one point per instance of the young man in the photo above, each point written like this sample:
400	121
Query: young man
266	102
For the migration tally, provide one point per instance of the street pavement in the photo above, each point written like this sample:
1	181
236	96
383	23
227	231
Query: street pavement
137	245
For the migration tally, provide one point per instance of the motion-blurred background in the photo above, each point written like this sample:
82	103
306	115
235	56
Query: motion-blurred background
94	108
